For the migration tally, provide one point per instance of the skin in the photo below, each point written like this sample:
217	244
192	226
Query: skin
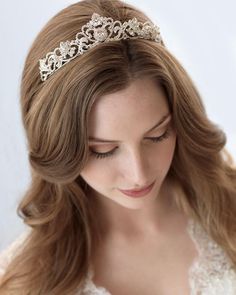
125	117
143	239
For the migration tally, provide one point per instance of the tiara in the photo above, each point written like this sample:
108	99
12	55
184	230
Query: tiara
98	30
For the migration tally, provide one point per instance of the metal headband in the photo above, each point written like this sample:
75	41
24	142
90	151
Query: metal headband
98	30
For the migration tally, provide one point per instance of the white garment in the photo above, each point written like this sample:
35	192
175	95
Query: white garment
211	273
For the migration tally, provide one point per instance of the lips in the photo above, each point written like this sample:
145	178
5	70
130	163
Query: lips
138	193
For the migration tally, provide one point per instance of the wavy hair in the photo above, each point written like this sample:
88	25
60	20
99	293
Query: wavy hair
55	256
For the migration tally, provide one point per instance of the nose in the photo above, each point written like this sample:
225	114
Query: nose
136	170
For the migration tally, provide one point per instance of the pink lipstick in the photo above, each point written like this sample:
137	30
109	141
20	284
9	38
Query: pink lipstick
138	193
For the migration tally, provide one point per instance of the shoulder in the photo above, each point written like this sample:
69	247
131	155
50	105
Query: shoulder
11	251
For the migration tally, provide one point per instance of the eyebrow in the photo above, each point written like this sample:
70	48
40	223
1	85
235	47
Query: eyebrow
162	120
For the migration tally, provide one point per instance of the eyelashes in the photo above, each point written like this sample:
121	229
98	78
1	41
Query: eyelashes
158	139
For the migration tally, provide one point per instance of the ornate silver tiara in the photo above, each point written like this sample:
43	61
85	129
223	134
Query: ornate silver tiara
98	30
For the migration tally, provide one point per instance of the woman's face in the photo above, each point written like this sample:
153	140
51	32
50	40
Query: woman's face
127	152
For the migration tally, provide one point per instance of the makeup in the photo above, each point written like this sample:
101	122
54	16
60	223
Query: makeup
138	193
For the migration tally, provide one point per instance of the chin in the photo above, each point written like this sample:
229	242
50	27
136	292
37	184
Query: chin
133	205
136	203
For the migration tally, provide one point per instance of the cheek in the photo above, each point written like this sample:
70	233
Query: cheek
169	150
164	154
95	173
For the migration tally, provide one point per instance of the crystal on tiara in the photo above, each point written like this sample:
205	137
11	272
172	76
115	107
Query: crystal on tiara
98	30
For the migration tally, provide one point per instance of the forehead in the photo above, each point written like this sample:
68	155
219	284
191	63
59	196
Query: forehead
142	103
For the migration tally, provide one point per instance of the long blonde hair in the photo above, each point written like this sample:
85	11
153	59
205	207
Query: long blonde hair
56	254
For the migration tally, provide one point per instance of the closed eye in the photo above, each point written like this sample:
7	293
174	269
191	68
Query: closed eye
110	153
160	138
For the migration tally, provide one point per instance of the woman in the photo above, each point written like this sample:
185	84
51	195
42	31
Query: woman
132	190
